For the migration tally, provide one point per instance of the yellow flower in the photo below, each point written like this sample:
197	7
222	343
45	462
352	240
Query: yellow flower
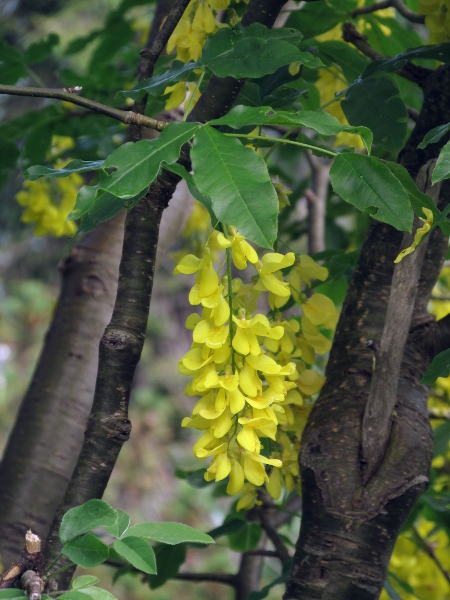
420	233
241	250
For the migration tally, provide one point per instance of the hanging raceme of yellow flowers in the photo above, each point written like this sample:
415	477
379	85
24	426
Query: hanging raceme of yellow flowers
254	376
47	202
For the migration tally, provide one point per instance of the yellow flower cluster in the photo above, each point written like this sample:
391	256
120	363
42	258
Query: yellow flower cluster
189	36
48	202
437	19
253	376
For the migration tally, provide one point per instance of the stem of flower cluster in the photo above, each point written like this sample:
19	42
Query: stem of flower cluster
192	96
230	302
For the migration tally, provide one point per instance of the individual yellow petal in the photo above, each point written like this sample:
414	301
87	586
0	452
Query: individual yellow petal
223	424
273	486
177	95
254	471
203	452
247	438
206	333
207	281
249	381
192	321
249	498
274	285
310	382
189	264
274	261
318	309
237	401
309	269
236	478
223	466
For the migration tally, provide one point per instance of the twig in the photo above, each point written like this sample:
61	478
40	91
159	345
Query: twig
409	71
377	421
316	197
273	535
407	13
397	4
224	578
128	117
431	553
365	10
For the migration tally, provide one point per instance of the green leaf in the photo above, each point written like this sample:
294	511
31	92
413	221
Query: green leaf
195	478
376	104
155	86
169	560
86	551
195	192
169	533
417	198
253	51
238	183
439	52
104	208
434	135
73	595
121	525
442	168
74	166
138	553
11	593
12	65
38	51
440	367
370	186
131	168
344	56
315	18
230	526
322	122
84	518
84	581
246	538
97	594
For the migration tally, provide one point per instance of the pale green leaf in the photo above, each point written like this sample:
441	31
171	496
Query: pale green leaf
97	593
168	533
434	135
442	168
370	186
238	183
440	367
138	553
121	525
84	518
84	581
86	551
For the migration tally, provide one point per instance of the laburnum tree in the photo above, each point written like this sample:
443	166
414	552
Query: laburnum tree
312	330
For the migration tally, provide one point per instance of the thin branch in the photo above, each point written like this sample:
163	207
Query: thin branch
316	198
397	4
431	553
128	117
377	421
407	13
365	10
409	71
224	578
273	536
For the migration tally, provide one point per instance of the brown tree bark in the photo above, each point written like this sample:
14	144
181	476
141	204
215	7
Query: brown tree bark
44	444
350	521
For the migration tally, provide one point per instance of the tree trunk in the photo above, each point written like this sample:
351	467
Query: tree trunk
350	525
44	445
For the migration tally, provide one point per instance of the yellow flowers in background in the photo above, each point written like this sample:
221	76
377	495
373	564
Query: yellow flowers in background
437	19
48	202
252	373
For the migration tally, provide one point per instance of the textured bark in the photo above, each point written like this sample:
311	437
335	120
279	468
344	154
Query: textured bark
44	444
349	528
